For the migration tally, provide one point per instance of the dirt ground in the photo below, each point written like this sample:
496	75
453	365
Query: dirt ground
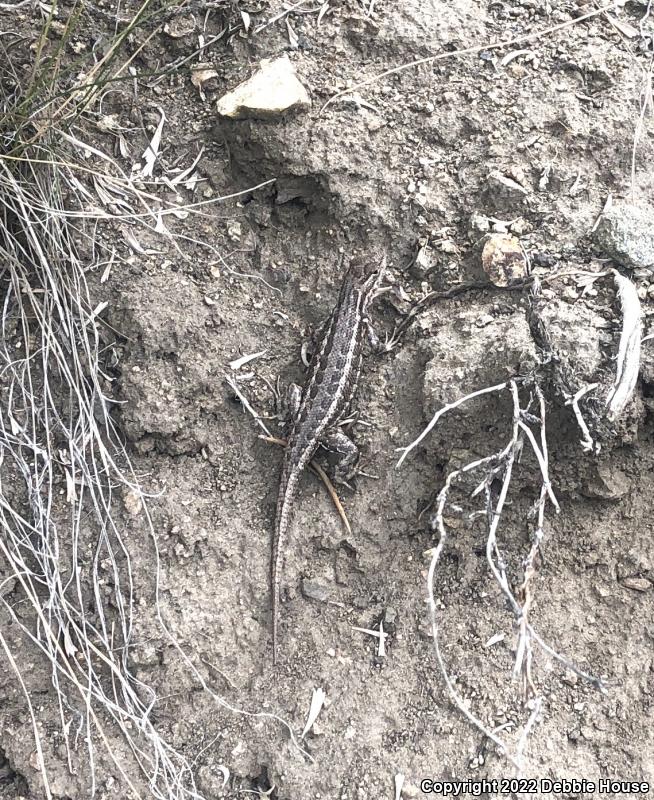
407	164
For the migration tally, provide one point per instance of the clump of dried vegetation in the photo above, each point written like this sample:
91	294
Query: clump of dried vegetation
66	578
484	485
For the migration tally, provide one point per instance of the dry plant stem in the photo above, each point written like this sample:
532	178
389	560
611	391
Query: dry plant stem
524	736
501	463
593	680
246	405
523	658
434	420
587	441
324	477
467	51
122	184
495	514
542	462
435	557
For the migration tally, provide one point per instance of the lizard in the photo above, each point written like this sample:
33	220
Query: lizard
324	401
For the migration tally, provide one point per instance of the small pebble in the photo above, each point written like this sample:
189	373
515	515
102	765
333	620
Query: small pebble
315	589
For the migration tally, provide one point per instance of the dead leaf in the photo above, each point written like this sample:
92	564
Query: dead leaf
152	150
200	75
503	260
293	40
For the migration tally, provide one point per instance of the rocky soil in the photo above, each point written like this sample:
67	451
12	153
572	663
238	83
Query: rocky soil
530	140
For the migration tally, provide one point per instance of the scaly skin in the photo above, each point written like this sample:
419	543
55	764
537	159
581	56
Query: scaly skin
327	395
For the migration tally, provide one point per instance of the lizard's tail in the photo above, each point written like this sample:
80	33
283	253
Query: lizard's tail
275	614
282	520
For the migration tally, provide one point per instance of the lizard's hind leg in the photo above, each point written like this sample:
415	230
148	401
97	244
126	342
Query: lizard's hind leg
338	442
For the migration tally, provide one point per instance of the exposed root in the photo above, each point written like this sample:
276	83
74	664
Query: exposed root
497	471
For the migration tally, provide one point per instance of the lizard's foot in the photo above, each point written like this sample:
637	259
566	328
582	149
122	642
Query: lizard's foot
338	442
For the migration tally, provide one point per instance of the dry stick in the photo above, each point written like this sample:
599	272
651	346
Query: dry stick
496	513
503	583
528	37
288	10
435	557
406	450
522	665
593	680
456	291
542	463
320	472
503	460
587	442
522	742
246	405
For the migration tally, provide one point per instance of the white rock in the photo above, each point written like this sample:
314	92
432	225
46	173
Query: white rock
273	90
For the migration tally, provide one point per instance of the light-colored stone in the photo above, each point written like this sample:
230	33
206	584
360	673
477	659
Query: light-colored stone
316	589
132	501
606	482
272	91
626	233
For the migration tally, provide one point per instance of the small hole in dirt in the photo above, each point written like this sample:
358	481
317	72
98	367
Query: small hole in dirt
264	785
7	774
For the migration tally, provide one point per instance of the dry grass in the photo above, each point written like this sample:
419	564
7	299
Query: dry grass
64	467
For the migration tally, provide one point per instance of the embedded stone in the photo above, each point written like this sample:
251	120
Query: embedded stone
625	233
273	90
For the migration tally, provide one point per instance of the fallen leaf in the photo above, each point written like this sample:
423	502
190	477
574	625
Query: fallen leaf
317	701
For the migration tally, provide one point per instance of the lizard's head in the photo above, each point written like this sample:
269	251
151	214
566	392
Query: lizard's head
366	277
